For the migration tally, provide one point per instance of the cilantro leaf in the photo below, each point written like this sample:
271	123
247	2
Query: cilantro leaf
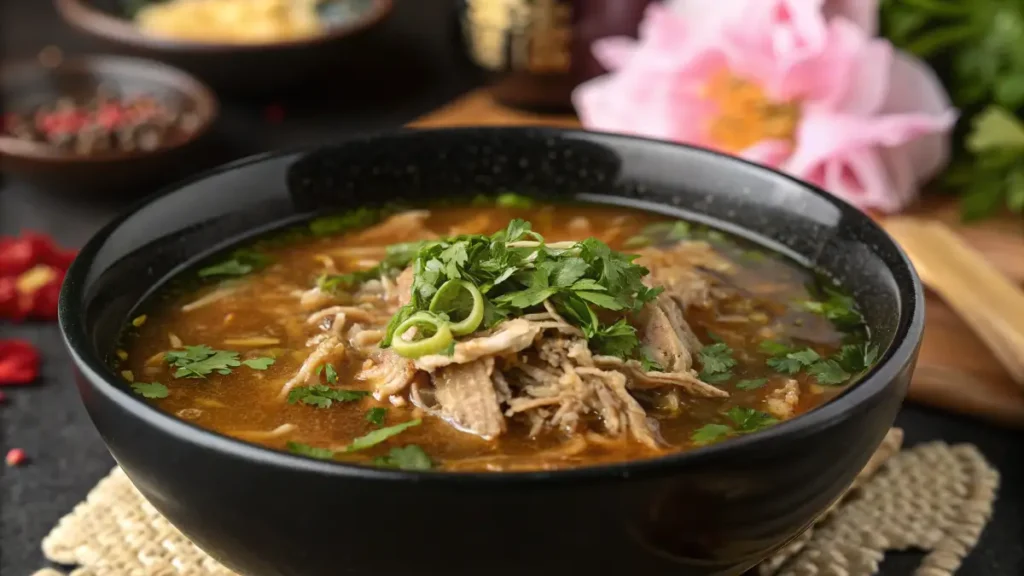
793	362
331	375
323	396
311	451
715	378
259	363
838	308
749	420
201	361
775	348
828	373
618	339
855	358
376	415
380	435
513	200
358	218
751	384
569	271
152	390
716	358
710	433
242	262
410	457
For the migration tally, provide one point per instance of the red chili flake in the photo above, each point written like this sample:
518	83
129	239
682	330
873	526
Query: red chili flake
17	255
19	363
274	114
15	457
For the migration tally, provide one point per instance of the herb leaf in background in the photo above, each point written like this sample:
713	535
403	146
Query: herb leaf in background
152	390
323	396
201	361
242	262
410	457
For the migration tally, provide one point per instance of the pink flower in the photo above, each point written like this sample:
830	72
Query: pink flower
799	85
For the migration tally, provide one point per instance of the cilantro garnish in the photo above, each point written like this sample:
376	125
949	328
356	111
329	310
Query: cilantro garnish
359	218
410	457
258	363
330	374
709	433
241	263
513	200
660	233
377	436
201	361
828	373
376	415
398	257
323	396
751	384
311	451
743	421
152	390
716	360
839	308
856	358
789	362
516	271
748	420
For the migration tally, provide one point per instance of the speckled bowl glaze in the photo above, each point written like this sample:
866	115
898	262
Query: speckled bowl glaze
716	510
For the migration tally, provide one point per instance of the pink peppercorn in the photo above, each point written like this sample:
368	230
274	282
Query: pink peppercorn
15	457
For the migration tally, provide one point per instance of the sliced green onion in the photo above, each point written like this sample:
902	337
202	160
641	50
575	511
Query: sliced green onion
441	339
447	298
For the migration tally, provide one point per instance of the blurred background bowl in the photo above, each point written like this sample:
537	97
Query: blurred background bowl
232	68
26	85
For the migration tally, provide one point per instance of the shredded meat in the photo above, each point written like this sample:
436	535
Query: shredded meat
678	269
507	338
403	286
467	398
328	347
667	336
640	380
387	372
403	227
782	401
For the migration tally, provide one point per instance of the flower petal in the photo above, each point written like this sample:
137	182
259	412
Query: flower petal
614	52
863	13
914	87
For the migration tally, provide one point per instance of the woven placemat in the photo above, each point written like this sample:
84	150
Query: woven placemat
934	497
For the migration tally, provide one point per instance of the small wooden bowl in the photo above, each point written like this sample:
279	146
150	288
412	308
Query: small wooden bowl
239	69
27	84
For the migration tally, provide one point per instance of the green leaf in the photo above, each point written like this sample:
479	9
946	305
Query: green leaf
242	262
715	378
856	358
793	362
377	436
748	420
995	128
513	200
311	451
259	363
775	348
751	384
201	361
618	339
828	373
152	390
331	225
323	396
710	433
376	415
410	457
569	271
716	358
601	299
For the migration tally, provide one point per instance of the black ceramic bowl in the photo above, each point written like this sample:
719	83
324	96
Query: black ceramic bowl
252	69
716	510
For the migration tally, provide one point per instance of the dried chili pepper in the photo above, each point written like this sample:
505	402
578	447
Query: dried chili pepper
19	363
32	269
15	457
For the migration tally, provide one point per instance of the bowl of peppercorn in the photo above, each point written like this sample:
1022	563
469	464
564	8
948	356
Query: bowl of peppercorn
101	125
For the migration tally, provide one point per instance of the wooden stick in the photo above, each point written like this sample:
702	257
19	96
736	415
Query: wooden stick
984	298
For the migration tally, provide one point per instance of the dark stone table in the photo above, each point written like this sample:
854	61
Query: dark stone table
426	70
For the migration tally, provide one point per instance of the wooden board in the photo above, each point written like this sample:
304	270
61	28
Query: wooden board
956	370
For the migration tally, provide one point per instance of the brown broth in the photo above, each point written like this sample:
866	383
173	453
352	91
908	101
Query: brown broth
245	404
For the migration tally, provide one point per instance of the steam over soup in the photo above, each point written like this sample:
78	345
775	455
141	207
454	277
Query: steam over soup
501	336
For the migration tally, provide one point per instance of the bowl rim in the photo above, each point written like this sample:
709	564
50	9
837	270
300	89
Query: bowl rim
79	14
127	69
900	354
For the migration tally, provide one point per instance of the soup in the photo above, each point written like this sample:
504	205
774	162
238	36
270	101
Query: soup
504	335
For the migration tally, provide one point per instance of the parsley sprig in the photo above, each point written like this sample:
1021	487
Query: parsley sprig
323	396
850	360
741	421
201	361
516	271
242	262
